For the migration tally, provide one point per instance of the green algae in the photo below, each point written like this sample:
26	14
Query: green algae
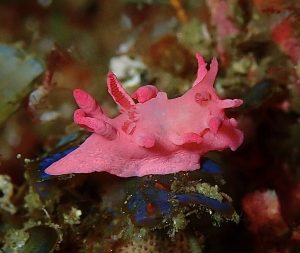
6	190
15	240
209	191
72	217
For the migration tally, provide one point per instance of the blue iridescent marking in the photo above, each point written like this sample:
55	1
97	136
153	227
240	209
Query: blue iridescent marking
68	139
219	206
210	166
160	199
45	163
135	200
141	215
43	175
138	204
54	158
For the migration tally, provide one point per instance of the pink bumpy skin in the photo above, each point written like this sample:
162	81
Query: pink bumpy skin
157	135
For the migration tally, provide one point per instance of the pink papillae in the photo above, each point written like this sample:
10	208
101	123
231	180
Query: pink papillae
201	69
156	135
117	92
145	93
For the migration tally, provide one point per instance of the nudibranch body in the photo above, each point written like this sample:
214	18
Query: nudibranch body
156	135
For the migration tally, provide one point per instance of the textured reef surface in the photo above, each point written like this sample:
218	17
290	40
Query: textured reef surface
154	112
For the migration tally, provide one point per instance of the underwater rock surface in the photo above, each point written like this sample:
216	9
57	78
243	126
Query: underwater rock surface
18	70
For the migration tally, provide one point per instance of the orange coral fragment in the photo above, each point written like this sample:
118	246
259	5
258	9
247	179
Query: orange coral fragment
180	11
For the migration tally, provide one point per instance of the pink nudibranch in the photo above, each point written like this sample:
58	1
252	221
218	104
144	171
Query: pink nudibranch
156	135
